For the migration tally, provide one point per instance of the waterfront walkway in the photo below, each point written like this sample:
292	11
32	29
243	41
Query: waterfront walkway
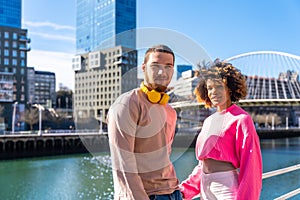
30	144
22	144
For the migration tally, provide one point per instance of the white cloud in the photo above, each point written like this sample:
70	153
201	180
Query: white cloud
46	58
47	24
58	62
53	36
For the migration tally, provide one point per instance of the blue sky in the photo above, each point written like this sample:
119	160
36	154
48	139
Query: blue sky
222	28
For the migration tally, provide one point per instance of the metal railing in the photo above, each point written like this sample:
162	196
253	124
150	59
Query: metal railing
53	132
278	172
283	171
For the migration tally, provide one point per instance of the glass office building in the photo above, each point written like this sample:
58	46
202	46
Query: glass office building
100	24
10	13
14	45
183	68
106	57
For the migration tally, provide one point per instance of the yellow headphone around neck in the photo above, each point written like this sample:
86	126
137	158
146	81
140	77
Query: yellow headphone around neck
154	96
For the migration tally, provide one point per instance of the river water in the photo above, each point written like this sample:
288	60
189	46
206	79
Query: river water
88	177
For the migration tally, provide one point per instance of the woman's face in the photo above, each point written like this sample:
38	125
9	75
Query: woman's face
218	94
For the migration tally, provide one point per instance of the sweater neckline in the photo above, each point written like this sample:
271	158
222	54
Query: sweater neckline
227	109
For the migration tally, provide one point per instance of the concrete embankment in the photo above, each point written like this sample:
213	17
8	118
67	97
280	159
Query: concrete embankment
22	146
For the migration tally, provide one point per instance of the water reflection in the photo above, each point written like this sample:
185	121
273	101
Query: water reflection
83	176
282	142
97	170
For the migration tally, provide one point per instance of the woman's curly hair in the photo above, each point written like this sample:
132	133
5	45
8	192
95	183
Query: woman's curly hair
231	76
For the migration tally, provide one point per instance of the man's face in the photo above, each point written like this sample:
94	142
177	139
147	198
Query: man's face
158	71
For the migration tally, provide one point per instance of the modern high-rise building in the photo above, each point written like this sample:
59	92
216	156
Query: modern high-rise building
41	88
106	60
30	85
45	88
183	68
100	24
13	62
100	77
10	13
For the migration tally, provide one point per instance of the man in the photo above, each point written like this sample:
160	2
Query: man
141	128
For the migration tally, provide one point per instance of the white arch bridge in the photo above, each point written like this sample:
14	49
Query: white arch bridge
243	103
272	79
270	74
273	98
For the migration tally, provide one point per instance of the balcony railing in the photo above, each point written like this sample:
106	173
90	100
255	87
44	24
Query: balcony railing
24	39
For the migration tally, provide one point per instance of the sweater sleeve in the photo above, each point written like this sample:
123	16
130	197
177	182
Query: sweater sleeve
191	186
248	151
122	124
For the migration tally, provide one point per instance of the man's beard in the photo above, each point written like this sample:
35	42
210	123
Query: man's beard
160	88
155	86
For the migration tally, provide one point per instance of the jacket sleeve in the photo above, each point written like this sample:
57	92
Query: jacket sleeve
191	186
122	124
249	153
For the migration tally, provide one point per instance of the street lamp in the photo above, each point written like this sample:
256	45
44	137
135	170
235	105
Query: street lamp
14	117
41	108
100	129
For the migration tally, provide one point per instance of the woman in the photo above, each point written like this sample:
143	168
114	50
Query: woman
228	150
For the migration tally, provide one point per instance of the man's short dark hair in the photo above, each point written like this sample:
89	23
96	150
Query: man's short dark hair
159	48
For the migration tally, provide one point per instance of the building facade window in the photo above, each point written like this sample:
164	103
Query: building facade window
15	36
14	53
6	35
6	61
14	62
22	63
6	52
14	44
22	54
